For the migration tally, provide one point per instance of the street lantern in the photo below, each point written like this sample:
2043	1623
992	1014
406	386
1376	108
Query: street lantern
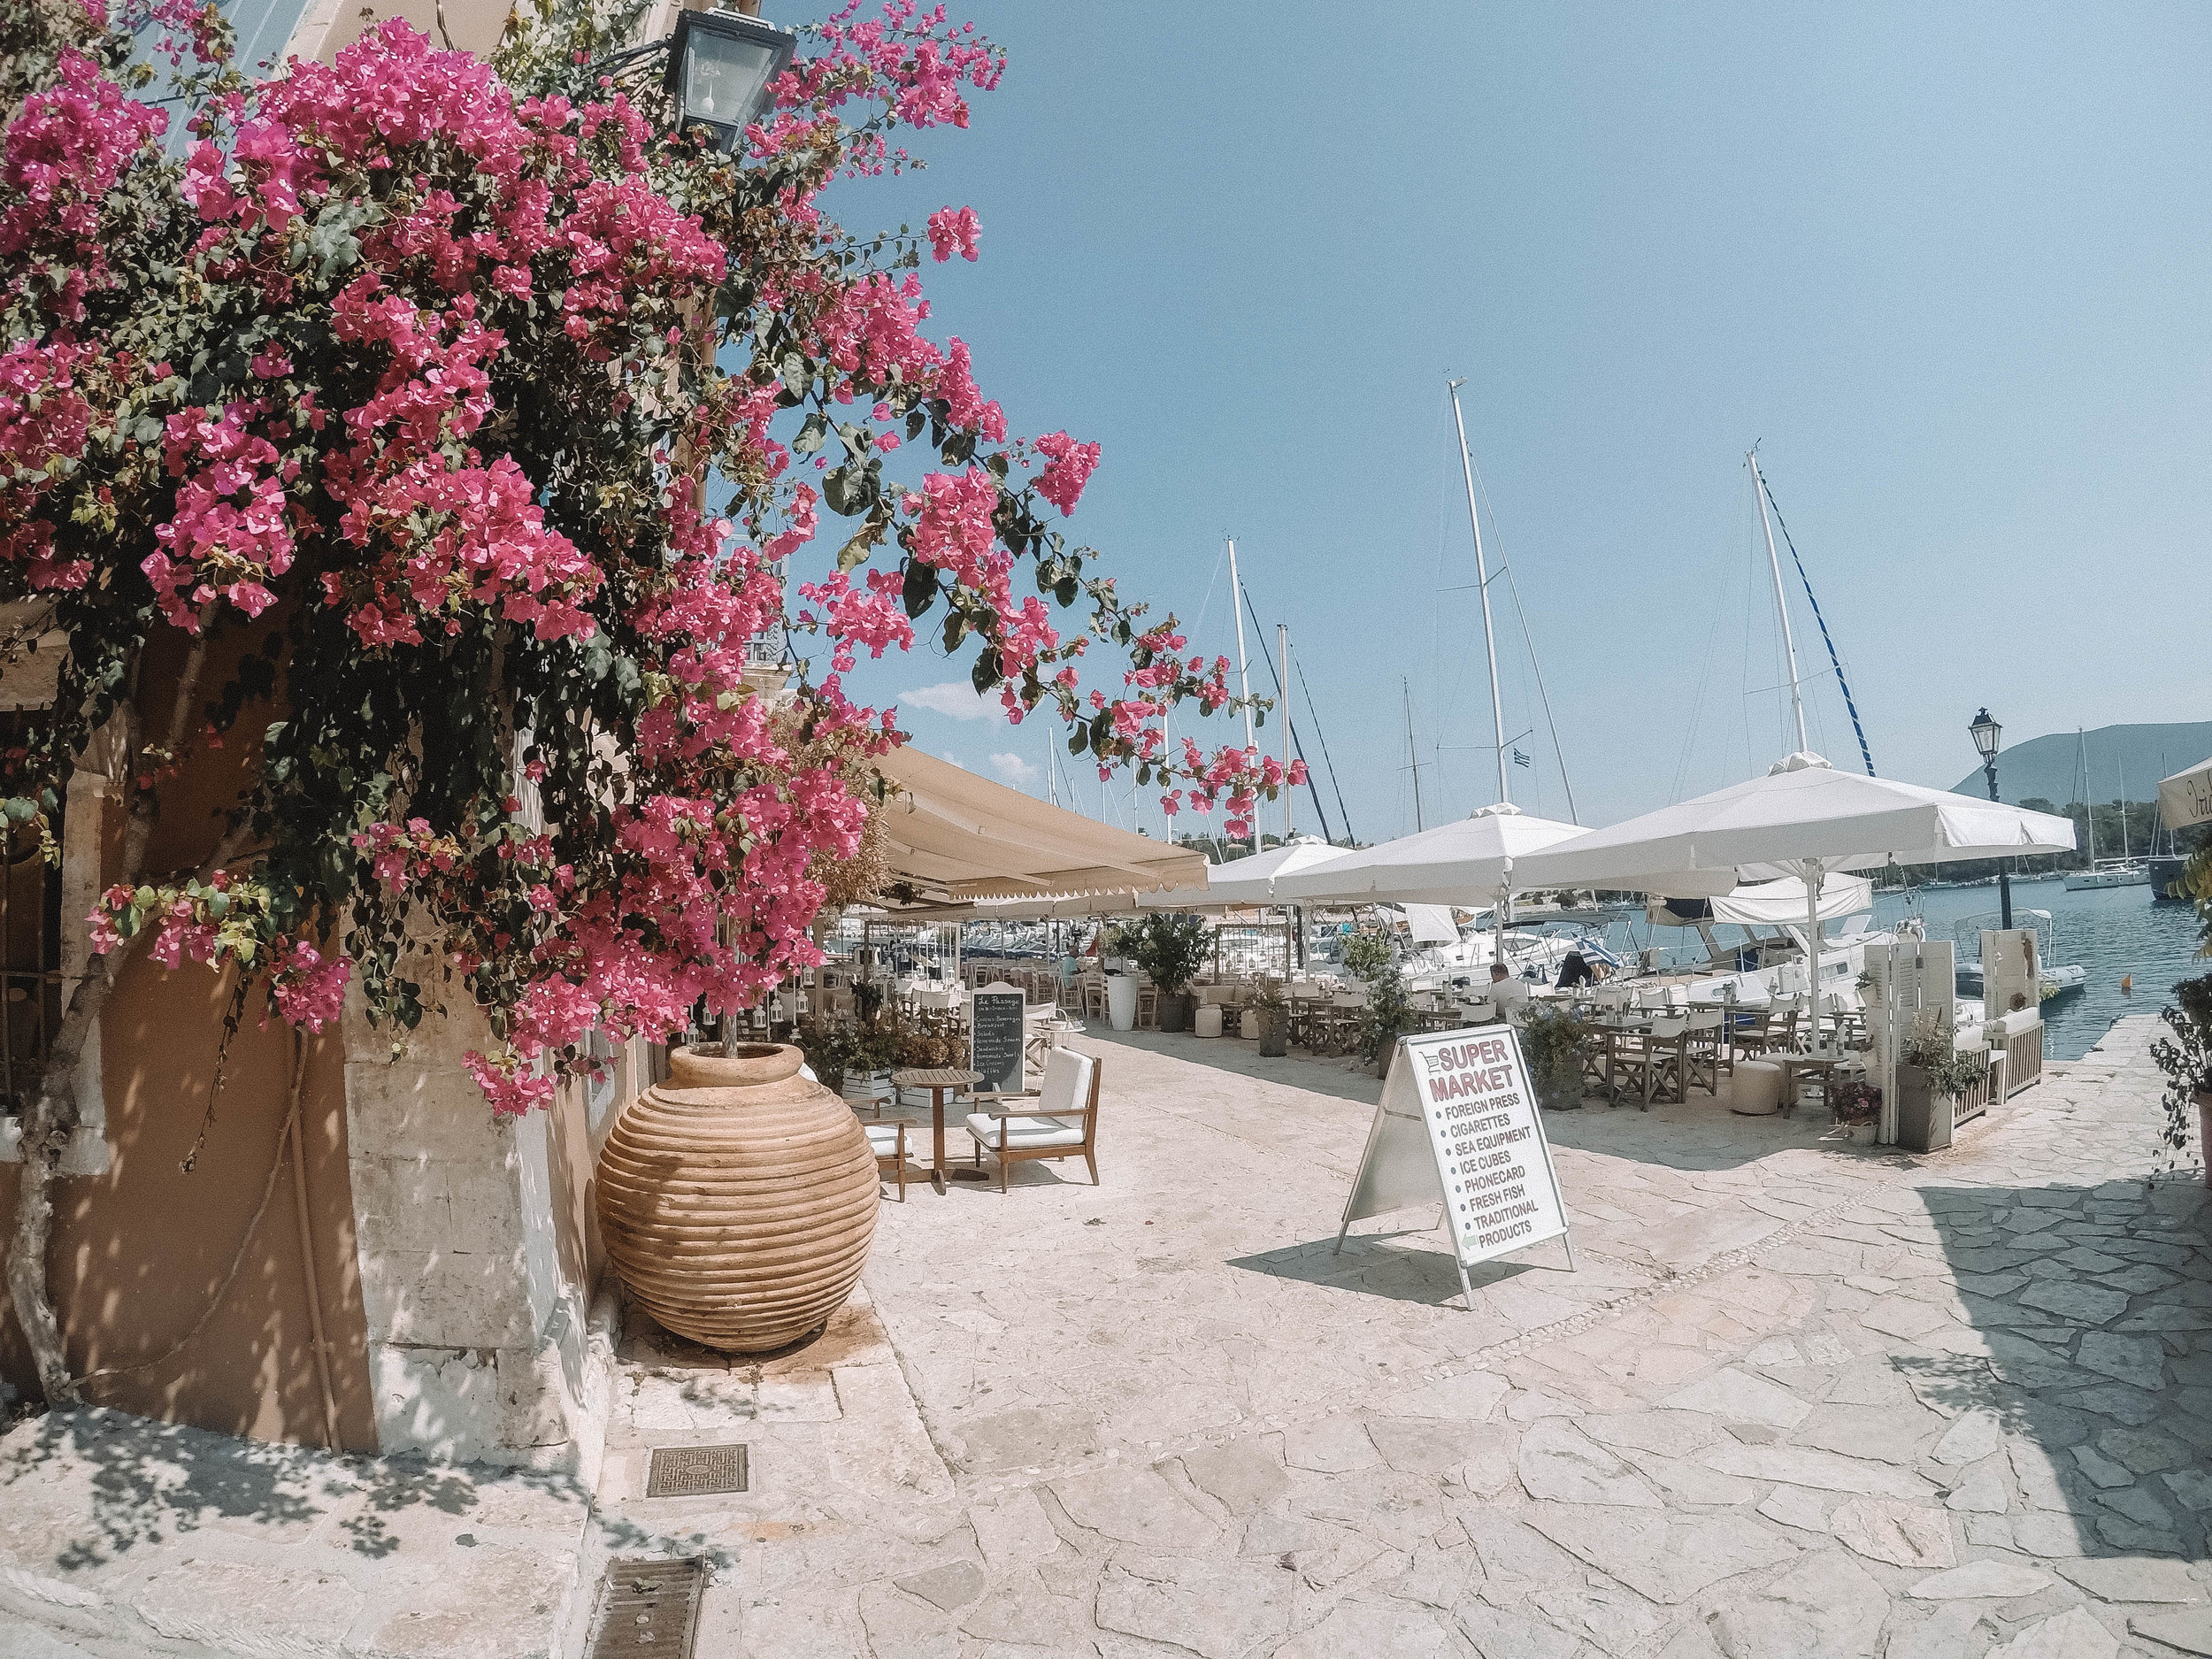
1986	732
720	65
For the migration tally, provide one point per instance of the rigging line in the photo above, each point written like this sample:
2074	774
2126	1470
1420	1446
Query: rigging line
1282	697
1865	753
1342	811
1543	696
1697	702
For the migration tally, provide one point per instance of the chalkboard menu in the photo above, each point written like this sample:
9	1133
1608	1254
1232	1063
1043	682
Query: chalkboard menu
995	1038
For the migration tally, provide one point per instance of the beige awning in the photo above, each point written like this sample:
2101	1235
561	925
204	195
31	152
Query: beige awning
951	835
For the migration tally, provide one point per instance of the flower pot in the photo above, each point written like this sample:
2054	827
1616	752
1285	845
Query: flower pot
2204	1131
1121	1001
1208	1019
1924	1116
738	1200
1559	1084
1274	1033
1248	1025
1174	1011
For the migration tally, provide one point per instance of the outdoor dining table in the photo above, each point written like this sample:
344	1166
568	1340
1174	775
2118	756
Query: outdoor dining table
1820	1063
937	1080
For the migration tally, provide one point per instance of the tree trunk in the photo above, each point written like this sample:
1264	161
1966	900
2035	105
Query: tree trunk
55	1112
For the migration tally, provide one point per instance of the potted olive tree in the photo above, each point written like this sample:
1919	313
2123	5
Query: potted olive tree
1932	1076
1372	959
1551	1043
1270	1011
1171	948
2186	1059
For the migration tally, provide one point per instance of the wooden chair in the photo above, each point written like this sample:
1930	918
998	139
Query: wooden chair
1656	1063
1059	1121
888	1142
1705	1050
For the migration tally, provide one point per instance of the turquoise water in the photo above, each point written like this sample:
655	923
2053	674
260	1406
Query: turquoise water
2112	932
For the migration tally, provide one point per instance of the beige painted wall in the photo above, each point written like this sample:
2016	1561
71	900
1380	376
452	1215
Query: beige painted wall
141	1248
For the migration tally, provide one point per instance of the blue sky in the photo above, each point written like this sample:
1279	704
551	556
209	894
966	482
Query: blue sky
1947	264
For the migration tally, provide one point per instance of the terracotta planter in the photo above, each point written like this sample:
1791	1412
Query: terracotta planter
738	1200
1174	1011
1275	1033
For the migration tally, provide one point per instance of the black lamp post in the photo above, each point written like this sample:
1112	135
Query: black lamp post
720	66
1986	732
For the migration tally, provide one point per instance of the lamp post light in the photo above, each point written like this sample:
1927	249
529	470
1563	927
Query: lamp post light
1985	733
720	66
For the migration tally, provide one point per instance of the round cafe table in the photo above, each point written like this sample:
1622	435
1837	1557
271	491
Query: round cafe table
938	1080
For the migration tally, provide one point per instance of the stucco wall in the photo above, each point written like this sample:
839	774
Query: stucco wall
142	1247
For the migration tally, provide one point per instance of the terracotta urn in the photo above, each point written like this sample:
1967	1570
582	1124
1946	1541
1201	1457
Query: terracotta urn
738	1199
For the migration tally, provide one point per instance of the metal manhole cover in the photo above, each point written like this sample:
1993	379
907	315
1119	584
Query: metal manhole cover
649	1607
686	1471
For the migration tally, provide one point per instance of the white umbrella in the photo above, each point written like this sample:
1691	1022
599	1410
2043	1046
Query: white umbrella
2185	798
1804	819
1256	880
1472	863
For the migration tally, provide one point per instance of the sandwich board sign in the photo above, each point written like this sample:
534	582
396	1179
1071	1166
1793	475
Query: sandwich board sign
1458	1125
995	1038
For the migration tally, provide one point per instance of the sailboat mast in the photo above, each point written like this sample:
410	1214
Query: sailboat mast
1781	605
2088	806
2122	763
1244	677
1282	677
1413	755
1482	582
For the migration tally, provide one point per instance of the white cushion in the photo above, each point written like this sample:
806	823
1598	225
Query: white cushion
1067	1081
1023	1133
883	1139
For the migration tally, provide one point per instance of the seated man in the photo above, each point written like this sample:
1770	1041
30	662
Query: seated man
1509	994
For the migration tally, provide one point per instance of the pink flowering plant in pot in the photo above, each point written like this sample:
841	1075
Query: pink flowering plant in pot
449	435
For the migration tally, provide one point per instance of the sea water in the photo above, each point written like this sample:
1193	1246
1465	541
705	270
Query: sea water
2115	933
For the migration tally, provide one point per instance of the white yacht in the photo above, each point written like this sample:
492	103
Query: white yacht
2110	872
2123	871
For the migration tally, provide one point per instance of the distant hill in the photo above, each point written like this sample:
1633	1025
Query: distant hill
2049	767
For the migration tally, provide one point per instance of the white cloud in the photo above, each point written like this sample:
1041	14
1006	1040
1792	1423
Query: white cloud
1014	770
953	698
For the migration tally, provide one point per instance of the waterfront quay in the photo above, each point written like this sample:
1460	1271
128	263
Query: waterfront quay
1801	1396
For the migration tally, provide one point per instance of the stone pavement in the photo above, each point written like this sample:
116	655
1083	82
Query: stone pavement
121	1537
1802	1398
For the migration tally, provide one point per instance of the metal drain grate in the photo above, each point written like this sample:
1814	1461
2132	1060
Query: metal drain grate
686	1471
650	1607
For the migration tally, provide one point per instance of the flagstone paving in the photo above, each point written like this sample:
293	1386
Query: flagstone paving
1800	1397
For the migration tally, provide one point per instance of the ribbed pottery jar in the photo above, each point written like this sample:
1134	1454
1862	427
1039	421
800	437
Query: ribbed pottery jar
738	1199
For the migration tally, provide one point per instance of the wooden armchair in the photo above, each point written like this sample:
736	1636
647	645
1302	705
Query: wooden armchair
1059	1121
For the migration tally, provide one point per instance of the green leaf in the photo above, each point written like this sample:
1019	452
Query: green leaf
988	671
921	587
811	435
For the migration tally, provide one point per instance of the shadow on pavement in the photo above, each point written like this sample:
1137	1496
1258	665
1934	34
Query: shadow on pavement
2089	1359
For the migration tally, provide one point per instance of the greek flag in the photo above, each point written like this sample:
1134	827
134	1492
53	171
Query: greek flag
1519	759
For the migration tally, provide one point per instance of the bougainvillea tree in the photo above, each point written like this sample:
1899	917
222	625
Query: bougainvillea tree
496	417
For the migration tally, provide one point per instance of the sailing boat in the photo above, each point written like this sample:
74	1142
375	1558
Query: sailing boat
2123	871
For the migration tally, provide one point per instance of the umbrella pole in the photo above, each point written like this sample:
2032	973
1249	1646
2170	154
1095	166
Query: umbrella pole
1500	914
1812	942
